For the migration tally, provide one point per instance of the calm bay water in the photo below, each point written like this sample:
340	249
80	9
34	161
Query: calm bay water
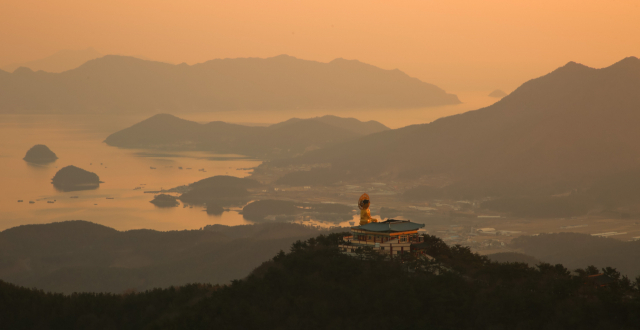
77	140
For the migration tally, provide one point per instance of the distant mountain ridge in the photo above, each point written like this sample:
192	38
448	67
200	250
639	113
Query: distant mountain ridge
576	250
561	131
118	84
59	62
289	138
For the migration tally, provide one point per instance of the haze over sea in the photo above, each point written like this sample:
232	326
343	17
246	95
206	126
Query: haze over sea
77	140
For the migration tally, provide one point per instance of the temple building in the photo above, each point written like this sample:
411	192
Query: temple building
390	237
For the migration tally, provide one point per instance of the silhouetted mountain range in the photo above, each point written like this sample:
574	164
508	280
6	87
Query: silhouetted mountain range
119	84
562	131
317	286
59	62
285	139
75	256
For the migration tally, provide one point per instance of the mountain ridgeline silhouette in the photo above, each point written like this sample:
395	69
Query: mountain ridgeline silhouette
119	84
565	130
317	286
292	137
59	62
76	256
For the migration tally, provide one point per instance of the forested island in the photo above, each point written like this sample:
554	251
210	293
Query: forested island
165	200
40	154
71	178
222	190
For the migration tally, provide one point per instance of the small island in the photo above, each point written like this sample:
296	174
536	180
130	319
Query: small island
498	94
164	200
71	178
222	190
40	154
214	209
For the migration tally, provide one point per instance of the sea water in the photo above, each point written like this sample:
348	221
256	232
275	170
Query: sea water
78	140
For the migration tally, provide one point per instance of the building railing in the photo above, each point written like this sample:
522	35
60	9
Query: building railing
411	239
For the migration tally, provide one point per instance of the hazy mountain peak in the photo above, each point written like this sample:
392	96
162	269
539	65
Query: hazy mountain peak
498	93
22	70
283	57
343	61
627	63
630	62
340	59
573	66
113	59
163	117
573	83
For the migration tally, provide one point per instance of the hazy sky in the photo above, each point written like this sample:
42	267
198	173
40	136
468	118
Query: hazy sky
456	44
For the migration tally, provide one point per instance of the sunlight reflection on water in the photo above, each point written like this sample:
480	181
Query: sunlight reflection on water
77	140
121	170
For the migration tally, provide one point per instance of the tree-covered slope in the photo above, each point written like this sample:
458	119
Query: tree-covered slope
576	250
83	256
314	286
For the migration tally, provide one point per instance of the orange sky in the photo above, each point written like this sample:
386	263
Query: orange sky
458	45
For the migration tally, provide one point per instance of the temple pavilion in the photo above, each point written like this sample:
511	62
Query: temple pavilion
390	237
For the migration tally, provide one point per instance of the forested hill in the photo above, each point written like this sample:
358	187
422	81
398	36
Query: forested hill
566	129
314	286
81	256
575	250
120	84
285	139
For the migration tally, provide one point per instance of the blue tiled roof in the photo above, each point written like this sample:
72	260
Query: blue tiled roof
391	226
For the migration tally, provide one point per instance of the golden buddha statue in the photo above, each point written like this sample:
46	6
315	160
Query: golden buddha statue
365	213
